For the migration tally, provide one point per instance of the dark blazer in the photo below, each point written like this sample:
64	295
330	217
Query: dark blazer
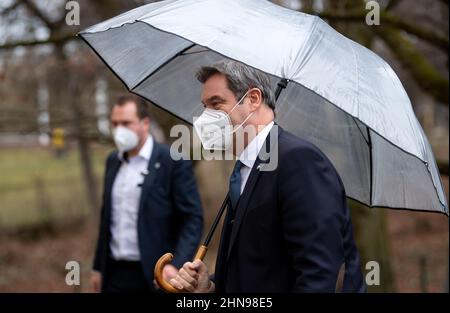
292	231
170	216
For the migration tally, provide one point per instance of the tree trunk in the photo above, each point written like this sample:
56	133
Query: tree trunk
73	99
83	144
372	240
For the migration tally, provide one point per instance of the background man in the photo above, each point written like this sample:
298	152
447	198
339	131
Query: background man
150	206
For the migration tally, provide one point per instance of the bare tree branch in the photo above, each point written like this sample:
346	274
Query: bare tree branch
55	39
12	7
416	63
35	11
427	35
388	19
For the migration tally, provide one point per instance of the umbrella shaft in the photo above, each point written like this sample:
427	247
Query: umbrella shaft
216	221
282	84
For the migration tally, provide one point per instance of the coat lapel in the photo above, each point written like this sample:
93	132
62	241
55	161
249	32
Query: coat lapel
111	176
243	203
113	173
263	157
152	168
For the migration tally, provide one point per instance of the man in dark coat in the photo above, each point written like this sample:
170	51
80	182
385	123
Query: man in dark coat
287	227
150	206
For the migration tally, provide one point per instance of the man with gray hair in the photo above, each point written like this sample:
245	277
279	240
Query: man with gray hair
287	229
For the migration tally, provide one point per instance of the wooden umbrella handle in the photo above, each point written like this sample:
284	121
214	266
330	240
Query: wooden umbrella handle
201	252
166	259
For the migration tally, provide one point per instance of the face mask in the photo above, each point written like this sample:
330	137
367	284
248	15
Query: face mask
125	138
215	129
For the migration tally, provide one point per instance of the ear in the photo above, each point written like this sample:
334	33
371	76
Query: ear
146	121
256	98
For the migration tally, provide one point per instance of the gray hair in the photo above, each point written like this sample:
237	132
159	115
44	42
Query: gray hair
240	79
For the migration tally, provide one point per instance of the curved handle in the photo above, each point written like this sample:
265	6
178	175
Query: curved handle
166	259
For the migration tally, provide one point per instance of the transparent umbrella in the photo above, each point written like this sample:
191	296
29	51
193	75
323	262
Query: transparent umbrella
332	91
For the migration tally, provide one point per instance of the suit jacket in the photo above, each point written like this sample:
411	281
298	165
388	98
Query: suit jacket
292	230
170	217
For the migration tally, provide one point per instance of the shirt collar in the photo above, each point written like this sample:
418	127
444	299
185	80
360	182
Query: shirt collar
250	153
145	152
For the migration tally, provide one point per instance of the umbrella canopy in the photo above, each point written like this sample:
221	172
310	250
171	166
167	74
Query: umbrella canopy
340	95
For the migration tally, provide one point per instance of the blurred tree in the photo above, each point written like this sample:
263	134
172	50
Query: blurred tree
63	71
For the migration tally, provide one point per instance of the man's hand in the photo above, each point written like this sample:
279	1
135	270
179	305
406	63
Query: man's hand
193	277
169	272
96	281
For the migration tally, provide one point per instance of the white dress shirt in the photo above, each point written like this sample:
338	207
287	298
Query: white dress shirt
250	153
126	194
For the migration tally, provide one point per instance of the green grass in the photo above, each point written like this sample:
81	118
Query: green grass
35	186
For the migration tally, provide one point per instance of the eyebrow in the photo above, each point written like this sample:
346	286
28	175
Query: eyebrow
213	98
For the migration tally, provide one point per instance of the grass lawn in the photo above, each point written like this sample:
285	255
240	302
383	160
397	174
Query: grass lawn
35	186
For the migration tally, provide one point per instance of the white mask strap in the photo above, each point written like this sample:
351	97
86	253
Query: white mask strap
243	97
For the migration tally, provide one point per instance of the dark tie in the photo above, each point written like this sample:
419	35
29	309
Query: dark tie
235	185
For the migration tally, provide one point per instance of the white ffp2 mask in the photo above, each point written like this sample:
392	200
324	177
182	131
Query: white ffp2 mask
214	128
125	139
